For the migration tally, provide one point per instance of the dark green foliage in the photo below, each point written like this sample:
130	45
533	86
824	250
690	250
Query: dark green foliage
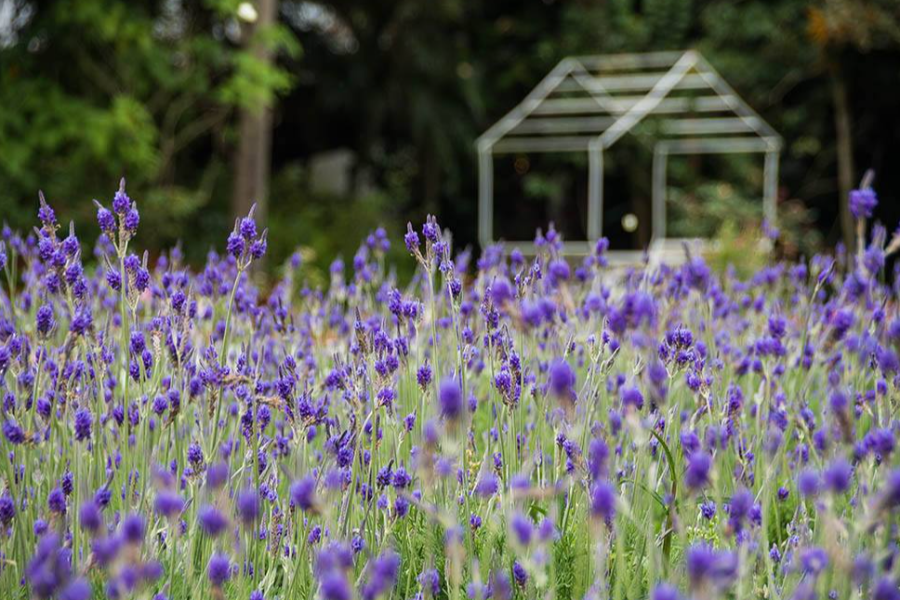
149	89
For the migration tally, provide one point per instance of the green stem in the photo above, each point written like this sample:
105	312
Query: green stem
223	359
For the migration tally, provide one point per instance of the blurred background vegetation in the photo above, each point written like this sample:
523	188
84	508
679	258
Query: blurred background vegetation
339	116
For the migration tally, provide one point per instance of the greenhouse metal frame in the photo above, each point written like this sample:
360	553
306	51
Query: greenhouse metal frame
587	103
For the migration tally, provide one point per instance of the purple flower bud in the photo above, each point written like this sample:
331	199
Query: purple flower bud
106	220
219	569
133	528
46	214
808	483
334	586
83	422
7	509
814	560
603	501
697	474
247	228
665	591
44	319
89	516
739	509
886	589
77	589
450	398
562	380
217	475
863	203
56	501
248	506
838	475
520	575
704	564
121	202
13	432
522	528
235	244
258	248
487	486
303	493
132	220
212	522
169	504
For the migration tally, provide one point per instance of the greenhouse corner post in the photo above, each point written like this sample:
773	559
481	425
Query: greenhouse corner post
485	195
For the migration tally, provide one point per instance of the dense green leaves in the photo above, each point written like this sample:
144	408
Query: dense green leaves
150	89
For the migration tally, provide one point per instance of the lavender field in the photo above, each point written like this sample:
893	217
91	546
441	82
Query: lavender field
501	427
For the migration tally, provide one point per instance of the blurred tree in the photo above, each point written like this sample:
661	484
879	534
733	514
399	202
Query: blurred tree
836	26
159	89
95	89
254	147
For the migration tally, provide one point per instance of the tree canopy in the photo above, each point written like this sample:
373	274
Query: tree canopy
152	89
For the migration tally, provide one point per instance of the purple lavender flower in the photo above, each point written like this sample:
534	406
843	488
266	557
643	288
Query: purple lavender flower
499	586
520	575
217	475
56	501
212	522
334	586
665	591
814	560
247	503
863	203
739	509
77	589
706	566
411	239
89	516
46	214
219	569
121	202
697	474
195	454
303	493
808	483
487	486
430	581
522	528
423	376
45	320
133	528
234	245
431	230
632	396
247	228
450	398
7	509
50	567
132	220
383	572
597	457
169	504
562	380
13	433
106	220
886	589
603	501
83	422
838	475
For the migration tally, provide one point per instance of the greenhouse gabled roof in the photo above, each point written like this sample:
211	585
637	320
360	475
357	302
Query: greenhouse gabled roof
597	99
587	103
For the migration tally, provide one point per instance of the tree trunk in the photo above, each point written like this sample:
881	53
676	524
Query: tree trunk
431	180
844	143
253	155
